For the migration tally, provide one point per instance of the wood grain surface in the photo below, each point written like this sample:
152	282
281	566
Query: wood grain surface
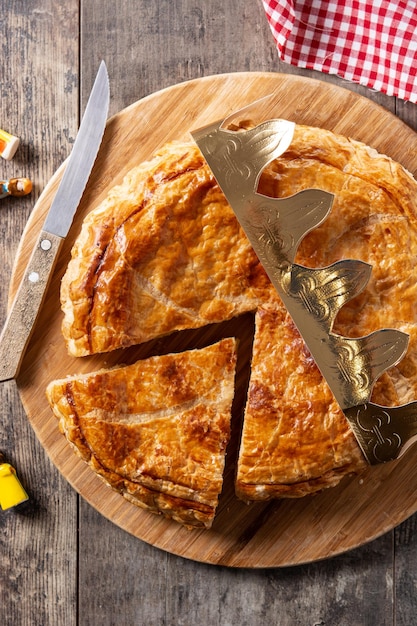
259	535
61	561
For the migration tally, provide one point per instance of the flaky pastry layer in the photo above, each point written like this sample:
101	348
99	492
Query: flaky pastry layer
295	438
164	252
155	431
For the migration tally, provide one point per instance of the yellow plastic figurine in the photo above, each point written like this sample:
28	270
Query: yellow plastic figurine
11	491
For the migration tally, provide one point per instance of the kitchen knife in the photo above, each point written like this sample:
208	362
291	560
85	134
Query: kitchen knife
30	294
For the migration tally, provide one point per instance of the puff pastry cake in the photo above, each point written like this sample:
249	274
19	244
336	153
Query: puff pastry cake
164	252
157	430
295	438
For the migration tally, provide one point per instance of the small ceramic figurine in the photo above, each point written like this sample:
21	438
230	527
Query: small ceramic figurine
15	187
11	491
8	145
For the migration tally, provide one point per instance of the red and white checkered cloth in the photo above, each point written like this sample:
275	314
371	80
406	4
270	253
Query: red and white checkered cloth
370	42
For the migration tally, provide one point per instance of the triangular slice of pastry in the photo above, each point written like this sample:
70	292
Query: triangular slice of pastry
157	430
295	438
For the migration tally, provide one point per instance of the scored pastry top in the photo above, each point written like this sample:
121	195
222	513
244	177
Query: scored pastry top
164	252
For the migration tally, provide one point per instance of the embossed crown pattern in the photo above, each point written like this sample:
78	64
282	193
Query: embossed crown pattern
312	296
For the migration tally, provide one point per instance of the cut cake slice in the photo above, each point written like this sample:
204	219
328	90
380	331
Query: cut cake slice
156	431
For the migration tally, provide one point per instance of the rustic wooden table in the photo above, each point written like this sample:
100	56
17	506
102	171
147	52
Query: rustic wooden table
61	562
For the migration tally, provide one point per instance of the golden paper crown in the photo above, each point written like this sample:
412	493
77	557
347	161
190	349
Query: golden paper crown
312	296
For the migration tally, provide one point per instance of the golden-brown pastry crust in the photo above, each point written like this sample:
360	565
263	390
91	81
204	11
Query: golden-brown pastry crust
155	431
164	252
295	439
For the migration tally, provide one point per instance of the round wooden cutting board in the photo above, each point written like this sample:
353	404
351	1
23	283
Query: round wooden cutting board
281	532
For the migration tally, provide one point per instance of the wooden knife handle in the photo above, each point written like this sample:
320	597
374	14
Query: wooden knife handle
27	303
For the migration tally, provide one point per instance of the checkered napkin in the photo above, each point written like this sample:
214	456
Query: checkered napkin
371	42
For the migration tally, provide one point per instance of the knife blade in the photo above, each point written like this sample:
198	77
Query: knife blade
28	301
